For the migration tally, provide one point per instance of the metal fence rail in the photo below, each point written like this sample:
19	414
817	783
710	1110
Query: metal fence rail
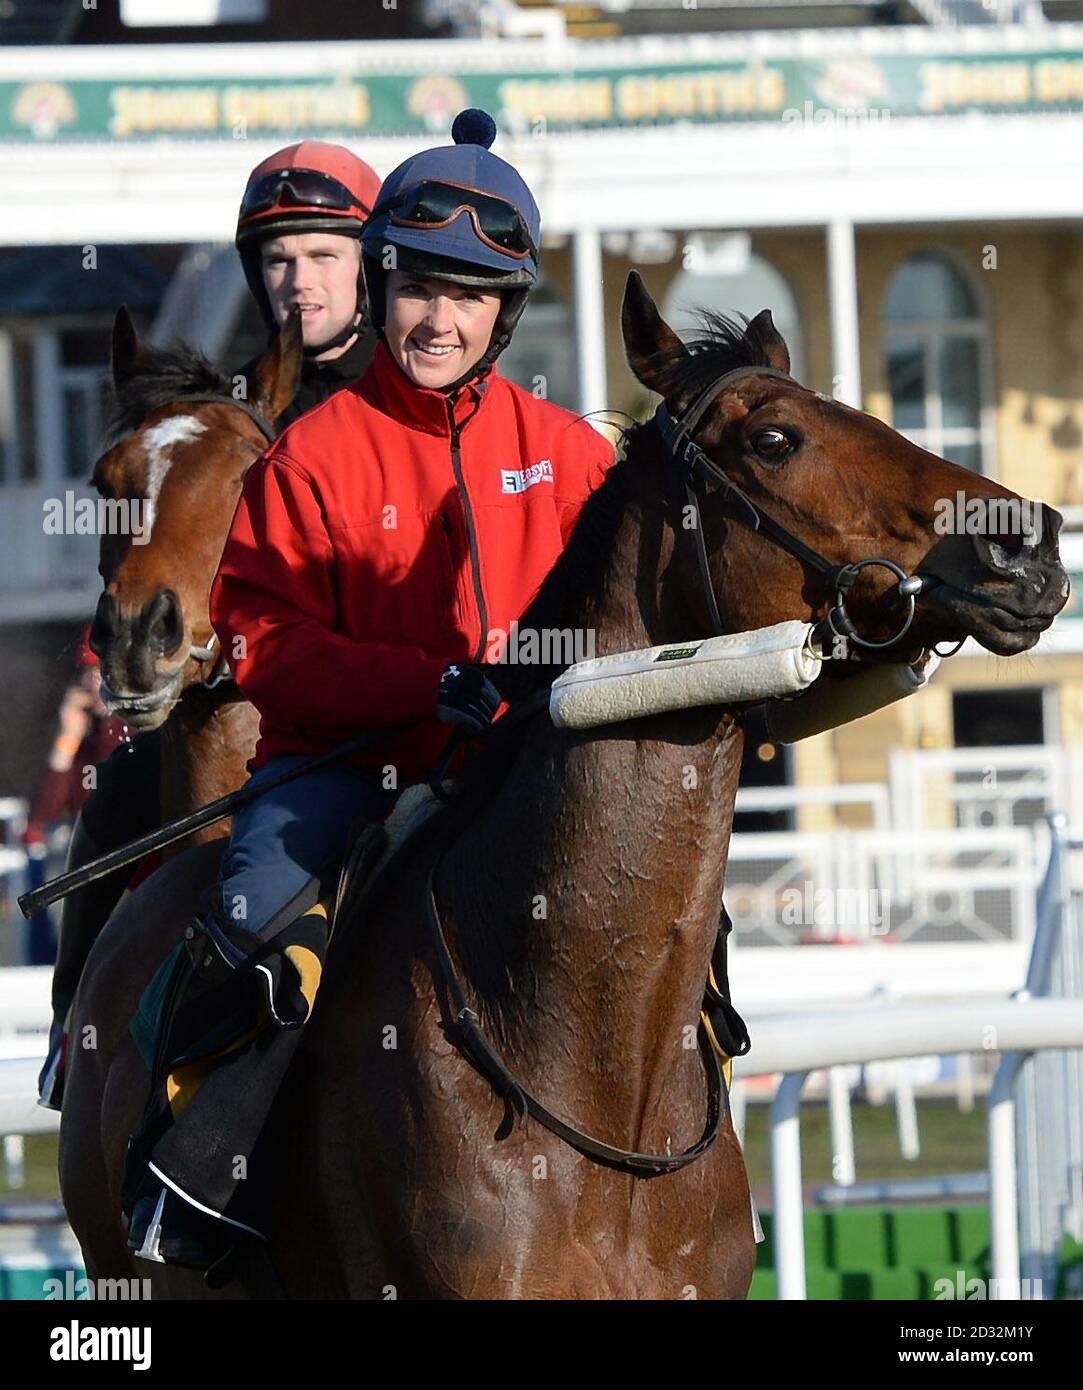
801	1043
1046	1120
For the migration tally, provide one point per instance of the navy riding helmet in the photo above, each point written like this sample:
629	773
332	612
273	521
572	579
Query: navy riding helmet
460	213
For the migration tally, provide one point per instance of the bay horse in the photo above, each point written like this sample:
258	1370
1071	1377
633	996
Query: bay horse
184	436
187	442
579	896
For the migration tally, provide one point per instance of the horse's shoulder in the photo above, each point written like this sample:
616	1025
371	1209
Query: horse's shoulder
148	922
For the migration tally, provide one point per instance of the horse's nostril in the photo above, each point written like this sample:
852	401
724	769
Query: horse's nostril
103	629
1010	539
163	623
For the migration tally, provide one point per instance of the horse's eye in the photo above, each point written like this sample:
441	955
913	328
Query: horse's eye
772	445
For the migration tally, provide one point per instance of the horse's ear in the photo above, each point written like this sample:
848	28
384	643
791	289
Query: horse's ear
762	327
648	339
127	350
278	372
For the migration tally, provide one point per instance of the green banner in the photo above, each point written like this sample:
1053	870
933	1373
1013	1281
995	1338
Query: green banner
852	88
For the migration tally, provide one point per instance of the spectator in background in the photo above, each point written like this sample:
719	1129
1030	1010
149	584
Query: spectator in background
86	735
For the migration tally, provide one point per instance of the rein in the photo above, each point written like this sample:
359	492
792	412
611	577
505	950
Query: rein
467	1035
695	468
463	1026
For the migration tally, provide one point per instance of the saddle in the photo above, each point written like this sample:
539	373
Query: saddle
371	851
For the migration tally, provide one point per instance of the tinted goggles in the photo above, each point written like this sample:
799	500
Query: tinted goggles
298	188
432	204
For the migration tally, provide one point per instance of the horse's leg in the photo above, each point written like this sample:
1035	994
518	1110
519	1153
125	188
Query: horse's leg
123	807
84	1175
107	1082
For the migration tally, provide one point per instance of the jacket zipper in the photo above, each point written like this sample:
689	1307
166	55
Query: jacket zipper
471	532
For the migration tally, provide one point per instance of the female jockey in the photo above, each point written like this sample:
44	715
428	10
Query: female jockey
377	546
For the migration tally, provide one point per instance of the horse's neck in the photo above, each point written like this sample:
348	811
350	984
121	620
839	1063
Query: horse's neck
204	751
585	900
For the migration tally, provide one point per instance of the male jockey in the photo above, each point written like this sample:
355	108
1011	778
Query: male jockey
298	237
377	545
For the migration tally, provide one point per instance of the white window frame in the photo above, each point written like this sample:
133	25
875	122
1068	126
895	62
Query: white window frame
932	332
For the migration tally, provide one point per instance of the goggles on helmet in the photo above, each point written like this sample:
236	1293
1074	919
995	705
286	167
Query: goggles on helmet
431	204
298	188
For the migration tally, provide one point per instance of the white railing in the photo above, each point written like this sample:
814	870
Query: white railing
786	887
1047	1125
873	795
25	1014
13	879
984	787
1041	1196
801	1043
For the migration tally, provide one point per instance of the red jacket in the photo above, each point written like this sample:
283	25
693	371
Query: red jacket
367	552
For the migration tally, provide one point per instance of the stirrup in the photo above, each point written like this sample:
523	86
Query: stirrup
152	1236
53	1074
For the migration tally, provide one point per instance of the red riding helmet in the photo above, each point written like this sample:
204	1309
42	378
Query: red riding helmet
308	187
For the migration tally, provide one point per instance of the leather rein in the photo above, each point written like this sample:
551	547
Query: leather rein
464	1028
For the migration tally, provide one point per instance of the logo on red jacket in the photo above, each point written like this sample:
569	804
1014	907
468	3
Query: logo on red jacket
519	479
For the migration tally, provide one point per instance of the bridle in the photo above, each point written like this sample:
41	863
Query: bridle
219	671
696	469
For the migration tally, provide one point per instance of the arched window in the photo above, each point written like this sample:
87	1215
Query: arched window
937	349
751	285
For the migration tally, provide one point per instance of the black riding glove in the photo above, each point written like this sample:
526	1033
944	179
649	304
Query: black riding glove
467	697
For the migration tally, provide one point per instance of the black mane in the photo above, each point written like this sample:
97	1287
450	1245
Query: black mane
720	345
162	376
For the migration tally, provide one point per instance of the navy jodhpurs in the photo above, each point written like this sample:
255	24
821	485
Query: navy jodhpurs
284	838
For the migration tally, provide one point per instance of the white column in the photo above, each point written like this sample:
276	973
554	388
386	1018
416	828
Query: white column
1003	1193
842	293
906	1114
789	1226
842	1126
589	323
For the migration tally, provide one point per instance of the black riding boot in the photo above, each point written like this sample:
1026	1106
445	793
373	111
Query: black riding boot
229	1026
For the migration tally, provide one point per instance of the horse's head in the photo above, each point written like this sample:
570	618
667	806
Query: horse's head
850	489
184	452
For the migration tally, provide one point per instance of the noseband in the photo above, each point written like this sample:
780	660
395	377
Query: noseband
696	468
